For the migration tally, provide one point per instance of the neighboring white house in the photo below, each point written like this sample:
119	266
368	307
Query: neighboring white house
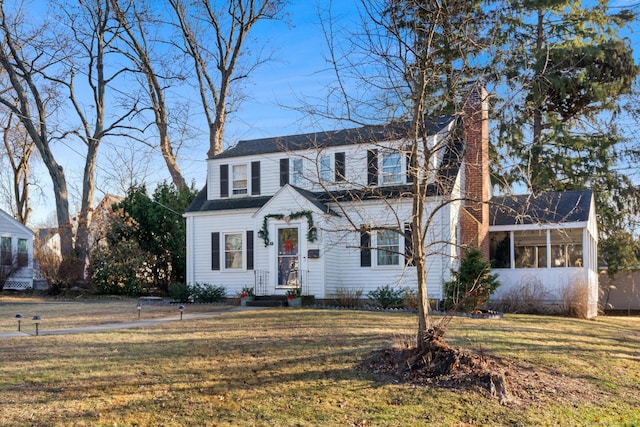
310	210
16	253
546	245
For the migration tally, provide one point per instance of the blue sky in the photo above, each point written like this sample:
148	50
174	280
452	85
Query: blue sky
298	70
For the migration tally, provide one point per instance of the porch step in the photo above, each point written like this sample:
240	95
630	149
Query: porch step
268	301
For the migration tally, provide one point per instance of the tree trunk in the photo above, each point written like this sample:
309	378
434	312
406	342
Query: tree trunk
65	228
86	210
536	149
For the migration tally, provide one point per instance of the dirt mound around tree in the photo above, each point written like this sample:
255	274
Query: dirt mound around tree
510	382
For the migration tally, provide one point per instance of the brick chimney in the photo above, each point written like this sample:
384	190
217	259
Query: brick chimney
474	224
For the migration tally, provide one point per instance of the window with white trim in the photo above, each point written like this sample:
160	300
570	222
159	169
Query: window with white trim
566	248
388	247
391	167
297	175
530	248
233	251
326	174
240	183
23	252
6	256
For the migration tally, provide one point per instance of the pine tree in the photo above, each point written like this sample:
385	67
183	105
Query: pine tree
564	70
472	284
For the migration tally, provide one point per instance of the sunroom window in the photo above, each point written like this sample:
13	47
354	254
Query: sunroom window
566	248
531	248
500	249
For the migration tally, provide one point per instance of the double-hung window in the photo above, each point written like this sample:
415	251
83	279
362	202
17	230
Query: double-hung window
5	251
326	174
391	167
298	176
388	246
239	174
23	253
233	251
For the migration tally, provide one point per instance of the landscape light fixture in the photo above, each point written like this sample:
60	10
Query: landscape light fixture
139	307
36	319
181	309
19	319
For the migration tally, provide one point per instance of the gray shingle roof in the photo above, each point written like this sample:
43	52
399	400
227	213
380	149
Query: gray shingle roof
201	204
365	134
544	208
447	172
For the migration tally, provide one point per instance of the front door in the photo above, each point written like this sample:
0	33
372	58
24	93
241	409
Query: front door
288	257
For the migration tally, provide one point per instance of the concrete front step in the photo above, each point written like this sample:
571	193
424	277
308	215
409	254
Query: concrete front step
266	303
276	301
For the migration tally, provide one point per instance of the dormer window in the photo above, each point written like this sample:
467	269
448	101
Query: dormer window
236	179
391	167
298	174
326	174
239	173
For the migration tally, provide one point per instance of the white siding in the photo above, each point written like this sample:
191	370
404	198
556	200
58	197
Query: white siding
22	278
355	166
338	243
199	257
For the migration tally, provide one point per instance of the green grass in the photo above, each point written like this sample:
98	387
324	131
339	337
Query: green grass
288	367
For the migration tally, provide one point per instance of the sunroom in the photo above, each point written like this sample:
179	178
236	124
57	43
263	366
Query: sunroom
544	247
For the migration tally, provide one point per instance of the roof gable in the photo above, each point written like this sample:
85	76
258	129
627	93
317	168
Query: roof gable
9	224
544	208
336	138
297	197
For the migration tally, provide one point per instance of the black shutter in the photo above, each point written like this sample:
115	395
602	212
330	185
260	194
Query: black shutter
365	248
284	172
249	249
408	245
339	163
409	165
215	251
255	178
372	167
224	180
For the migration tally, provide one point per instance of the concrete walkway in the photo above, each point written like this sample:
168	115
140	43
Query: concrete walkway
123	325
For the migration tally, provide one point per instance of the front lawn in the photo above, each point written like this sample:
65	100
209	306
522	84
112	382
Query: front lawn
285	367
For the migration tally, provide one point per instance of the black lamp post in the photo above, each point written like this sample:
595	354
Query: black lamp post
36	319
139	307
181	309
19	319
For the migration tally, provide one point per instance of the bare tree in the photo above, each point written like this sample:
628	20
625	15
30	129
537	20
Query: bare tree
127	166
135	19
94	33
71	58
411	62
214	37
19	148
29	96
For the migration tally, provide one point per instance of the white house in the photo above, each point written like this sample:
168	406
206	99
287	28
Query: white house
546	245
16	253
331	210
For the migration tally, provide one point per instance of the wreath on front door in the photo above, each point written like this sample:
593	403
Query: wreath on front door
312	234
